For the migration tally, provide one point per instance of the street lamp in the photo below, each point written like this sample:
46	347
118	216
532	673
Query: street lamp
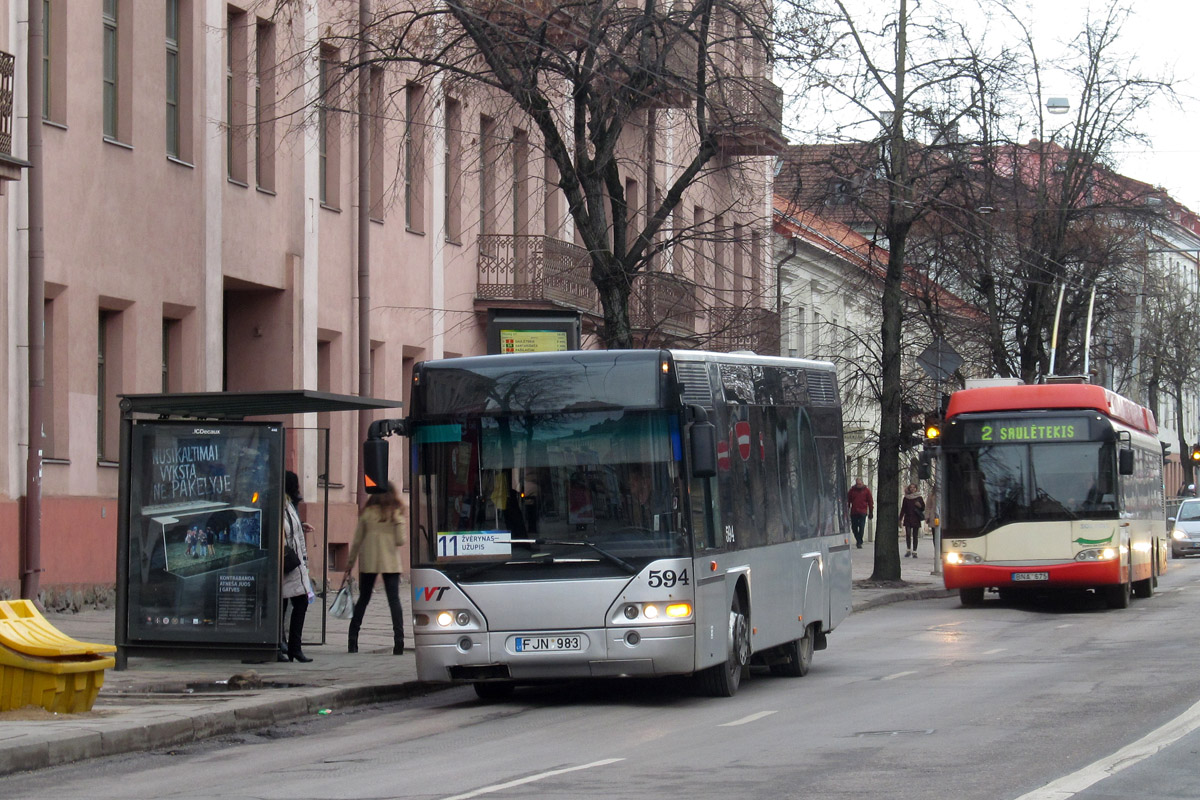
1058	105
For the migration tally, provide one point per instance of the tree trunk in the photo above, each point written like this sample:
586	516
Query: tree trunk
614	288
887	501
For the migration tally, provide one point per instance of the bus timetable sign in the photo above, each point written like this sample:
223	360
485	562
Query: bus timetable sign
1011	431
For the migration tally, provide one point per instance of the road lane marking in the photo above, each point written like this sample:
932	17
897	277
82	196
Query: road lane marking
744	720
1150	744
895	675
499	787
1060	627
992	652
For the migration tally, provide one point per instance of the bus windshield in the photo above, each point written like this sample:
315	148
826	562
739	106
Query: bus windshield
537	495
993	485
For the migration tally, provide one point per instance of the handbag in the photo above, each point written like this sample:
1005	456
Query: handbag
290	559
342	606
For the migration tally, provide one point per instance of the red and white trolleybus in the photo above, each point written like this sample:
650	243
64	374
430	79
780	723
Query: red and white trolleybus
1049	486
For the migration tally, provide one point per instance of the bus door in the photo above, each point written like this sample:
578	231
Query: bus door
710	566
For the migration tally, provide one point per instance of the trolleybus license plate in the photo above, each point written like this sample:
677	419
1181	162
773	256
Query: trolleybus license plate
540	644
1031	576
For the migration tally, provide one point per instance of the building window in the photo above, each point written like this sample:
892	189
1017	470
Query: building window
172	78
487	176
453	176
235	95
327	130
376	151
414	159
264	105
111	69
520	182
552	213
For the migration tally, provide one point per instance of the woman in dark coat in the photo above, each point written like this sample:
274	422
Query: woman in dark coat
912	514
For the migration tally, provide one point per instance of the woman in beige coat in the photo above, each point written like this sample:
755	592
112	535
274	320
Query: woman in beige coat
380	531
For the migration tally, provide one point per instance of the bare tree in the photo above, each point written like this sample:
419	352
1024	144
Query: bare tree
598	84
910	77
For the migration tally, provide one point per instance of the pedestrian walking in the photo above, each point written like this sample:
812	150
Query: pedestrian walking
297	586
379	533
912	514
862	508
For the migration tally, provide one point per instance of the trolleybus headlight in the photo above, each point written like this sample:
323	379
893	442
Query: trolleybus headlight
650	611
445	618
1097	554
679	610
963	558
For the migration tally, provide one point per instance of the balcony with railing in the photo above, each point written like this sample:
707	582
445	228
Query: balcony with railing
535	270
755	329
746	115
662	305
10	168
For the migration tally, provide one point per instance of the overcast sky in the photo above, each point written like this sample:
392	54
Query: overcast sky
1162	34
1164	37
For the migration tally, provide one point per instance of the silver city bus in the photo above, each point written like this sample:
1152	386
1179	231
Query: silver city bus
622	513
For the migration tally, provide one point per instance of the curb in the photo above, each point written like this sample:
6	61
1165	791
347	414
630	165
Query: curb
180	729
901	595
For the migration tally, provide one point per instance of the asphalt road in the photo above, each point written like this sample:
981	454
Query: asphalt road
921	699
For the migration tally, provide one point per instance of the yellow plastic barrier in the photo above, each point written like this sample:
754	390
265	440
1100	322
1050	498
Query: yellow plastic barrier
42	666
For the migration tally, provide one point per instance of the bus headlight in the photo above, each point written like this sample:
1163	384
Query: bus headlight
963	558
445	619
650	611
1097	554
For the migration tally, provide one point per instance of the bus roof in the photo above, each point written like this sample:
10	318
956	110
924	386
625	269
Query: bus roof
1042	397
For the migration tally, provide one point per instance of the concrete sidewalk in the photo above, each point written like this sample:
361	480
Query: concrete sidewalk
160	703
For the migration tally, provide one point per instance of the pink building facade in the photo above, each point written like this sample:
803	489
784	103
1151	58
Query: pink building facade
201	231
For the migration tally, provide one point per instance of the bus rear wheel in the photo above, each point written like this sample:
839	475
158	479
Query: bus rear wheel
1118	596
723	680
798	653
1144	588
972	596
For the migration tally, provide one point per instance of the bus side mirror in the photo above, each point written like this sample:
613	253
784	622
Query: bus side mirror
1125	462
703	440
924	471
375	465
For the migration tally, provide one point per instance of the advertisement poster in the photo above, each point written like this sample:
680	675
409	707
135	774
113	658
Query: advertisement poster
204	522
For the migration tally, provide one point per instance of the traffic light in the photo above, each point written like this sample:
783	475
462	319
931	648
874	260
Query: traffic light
1166	448
1196	454
933	427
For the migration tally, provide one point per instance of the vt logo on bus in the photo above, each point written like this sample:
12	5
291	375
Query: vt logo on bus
430	594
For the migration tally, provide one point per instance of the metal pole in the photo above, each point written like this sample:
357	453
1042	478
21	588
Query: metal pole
364	237
31	538
1087	337
1054	335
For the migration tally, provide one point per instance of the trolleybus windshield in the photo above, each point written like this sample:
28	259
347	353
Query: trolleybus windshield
992	485
544	496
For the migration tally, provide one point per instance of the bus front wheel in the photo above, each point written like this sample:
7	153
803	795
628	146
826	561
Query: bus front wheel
723	680
1118	596
972	596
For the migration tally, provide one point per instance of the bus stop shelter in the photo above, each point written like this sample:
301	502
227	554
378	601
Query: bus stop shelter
197	462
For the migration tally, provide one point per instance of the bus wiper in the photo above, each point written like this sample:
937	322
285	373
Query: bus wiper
615	559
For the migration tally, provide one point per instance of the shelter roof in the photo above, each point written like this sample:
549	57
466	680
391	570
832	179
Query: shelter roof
239	405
